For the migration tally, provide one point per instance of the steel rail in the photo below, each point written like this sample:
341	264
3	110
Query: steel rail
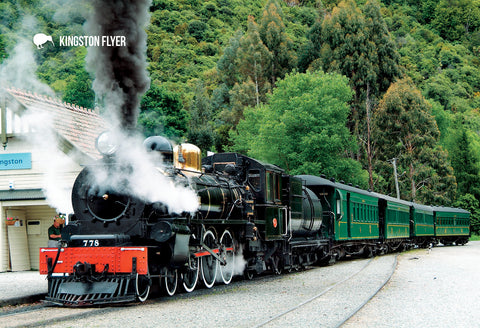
323	292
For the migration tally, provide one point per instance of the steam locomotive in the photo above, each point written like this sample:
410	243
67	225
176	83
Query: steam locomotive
250	217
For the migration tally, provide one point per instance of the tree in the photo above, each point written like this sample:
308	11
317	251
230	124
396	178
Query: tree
273	34
310	52
200	130
386	59
358	45
457	19
197	29
302	128
465	164
162	113
253	61
386	70
79	91
3	52
226	65
470	203
405	129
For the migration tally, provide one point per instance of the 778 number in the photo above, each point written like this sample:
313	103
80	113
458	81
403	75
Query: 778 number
91	243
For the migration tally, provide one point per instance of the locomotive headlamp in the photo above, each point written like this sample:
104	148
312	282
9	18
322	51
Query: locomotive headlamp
106	144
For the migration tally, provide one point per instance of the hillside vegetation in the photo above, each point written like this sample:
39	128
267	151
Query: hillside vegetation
335	87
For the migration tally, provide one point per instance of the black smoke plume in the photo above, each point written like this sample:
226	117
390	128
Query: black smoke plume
120	71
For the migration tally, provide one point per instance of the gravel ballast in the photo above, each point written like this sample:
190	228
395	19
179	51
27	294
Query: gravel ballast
437	288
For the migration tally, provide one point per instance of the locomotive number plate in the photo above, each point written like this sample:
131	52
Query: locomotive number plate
91	243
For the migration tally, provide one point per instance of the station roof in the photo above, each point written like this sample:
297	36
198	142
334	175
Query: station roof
76	127
26	194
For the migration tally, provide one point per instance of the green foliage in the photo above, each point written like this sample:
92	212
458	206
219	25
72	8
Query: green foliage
404	128
253	61
3	53
201	132
302	128
357	44
273	33
465	163
79	91
456	19
471	204
162	113
373	43
197	29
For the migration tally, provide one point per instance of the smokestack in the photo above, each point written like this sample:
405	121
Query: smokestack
120	71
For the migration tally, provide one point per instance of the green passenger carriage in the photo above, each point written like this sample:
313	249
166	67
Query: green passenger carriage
364	222
350	216
394	217
422	224
452	225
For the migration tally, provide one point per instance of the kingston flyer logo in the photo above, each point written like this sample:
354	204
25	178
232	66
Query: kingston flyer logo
81	40
40	39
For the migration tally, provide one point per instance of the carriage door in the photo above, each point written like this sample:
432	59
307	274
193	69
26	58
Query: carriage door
382	212
413	219
349	216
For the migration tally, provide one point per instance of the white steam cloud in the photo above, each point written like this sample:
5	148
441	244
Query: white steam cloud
19	68
141	174
58	168
121	79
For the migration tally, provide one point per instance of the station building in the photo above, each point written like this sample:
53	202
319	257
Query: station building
45	143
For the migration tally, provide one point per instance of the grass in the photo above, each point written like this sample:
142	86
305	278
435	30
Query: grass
475	237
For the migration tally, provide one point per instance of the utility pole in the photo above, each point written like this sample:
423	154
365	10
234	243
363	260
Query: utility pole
394	162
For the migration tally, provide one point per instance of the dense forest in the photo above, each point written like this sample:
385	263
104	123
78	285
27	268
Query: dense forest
343	88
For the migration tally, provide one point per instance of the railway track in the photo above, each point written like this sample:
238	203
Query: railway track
325	297
335	305
42	315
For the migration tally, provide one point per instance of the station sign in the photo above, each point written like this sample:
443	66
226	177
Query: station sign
16	161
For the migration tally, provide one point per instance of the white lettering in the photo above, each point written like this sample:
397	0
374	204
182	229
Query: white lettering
114	41
92	41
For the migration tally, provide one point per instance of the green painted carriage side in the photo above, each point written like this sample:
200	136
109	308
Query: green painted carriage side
349	213
359	216
342	221
424	224
363	216
397	220
451	222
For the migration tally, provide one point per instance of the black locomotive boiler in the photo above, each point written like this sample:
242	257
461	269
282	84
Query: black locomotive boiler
249	217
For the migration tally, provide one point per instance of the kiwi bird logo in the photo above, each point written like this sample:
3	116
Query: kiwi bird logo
40	39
